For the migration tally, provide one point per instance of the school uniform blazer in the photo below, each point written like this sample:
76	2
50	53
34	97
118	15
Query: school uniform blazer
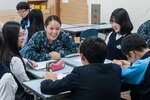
90	82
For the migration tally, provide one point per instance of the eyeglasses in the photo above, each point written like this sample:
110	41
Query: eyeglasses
22	34
21	11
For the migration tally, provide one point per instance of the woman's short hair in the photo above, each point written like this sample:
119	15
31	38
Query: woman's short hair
121	17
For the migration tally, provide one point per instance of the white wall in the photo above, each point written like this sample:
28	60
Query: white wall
139	10
8	4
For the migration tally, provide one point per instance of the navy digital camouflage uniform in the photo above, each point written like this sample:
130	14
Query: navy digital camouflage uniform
39	47
144	31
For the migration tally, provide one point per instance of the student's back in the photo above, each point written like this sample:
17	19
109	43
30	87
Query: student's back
92	81
97	82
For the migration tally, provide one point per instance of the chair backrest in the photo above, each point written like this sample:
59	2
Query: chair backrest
87	33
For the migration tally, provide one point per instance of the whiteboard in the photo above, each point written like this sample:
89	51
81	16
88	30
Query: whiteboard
8	4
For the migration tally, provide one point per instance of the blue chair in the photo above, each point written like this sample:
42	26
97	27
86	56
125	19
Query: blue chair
88	33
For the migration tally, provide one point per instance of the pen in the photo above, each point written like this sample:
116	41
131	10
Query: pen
29	61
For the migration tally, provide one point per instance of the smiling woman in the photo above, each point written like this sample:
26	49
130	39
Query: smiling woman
52	43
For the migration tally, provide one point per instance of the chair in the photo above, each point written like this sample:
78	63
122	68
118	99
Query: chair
87	33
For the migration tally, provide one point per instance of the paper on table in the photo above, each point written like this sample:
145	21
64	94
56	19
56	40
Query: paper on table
60	76
42	64
78	60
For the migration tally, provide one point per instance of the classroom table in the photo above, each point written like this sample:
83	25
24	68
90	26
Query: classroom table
75	61
66	26
100	27
34	86
39	73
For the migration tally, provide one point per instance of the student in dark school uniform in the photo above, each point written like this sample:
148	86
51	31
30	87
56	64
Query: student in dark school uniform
135	71
92	81
122	26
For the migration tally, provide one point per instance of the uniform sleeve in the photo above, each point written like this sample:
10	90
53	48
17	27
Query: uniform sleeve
8	87
67	83
107	39
135	74
69	45
17	68
144	29
33	48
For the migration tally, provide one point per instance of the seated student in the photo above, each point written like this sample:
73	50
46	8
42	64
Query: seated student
8	85
135	76
23	9
94	80
52	43
36	24
144	31
122	26
10	56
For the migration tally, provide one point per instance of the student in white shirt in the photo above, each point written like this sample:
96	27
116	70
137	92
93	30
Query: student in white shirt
11	57
8	85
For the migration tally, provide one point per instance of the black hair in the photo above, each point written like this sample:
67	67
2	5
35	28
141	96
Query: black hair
51	18
121	17
36	18
22	5
133	42
1	43
10	32
36	21
1	40
94	49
